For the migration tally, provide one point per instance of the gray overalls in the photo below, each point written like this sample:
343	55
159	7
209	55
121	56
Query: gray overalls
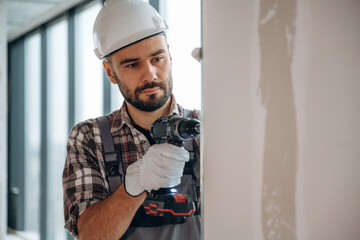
153	227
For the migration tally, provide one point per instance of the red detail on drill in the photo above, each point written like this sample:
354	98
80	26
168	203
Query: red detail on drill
153	205
160	212
180	198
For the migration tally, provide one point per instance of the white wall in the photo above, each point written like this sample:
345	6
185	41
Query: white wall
228	49
3	120
281	113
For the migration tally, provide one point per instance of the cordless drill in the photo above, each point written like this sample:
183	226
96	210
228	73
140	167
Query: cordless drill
167	202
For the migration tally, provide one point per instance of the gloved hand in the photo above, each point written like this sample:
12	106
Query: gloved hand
161	167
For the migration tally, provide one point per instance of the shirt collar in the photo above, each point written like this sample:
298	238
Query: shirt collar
122	117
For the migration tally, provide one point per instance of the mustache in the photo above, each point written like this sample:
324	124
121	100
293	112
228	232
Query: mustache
151	85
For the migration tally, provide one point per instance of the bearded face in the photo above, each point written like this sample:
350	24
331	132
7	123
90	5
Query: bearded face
143	73
153	101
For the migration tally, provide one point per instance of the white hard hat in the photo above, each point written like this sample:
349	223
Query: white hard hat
123	22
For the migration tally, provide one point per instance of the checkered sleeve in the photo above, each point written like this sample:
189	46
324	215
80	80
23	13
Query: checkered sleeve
83	181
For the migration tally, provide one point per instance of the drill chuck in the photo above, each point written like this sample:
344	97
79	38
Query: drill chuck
174	129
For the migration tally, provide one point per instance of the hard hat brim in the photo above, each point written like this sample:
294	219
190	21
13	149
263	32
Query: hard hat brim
153	35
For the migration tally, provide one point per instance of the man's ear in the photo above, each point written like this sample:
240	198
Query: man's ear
109	72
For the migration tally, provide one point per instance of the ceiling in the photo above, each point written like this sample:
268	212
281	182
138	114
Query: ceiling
25	15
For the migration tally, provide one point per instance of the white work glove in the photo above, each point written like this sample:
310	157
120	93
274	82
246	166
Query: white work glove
161	167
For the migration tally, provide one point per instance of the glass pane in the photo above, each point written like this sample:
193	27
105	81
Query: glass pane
57	129
116	97
88	69
32	135
183	36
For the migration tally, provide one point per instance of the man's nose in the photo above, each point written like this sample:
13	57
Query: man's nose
149	72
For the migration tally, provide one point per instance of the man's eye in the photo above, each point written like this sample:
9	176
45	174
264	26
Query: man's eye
157	59
132	65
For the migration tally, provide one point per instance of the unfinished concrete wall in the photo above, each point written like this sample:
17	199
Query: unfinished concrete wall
281	119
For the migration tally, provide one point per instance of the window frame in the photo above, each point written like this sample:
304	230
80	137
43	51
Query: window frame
16	123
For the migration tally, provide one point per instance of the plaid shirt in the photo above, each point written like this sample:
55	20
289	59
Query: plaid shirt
84	175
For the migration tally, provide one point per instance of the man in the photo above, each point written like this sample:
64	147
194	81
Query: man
129	35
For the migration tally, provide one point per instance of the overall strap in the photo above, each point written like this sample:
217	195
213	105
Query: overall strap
112	159
188	145
192	167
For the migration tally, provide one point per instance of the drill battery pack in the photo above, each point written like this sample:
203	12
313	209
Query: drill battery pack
167	202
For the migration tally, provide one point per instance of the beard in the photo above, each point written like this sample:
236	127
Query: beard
154	102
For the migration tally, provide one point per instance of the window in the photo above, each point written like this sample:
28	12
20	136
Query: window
88	68
116	97
32	135
57	129
184	34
